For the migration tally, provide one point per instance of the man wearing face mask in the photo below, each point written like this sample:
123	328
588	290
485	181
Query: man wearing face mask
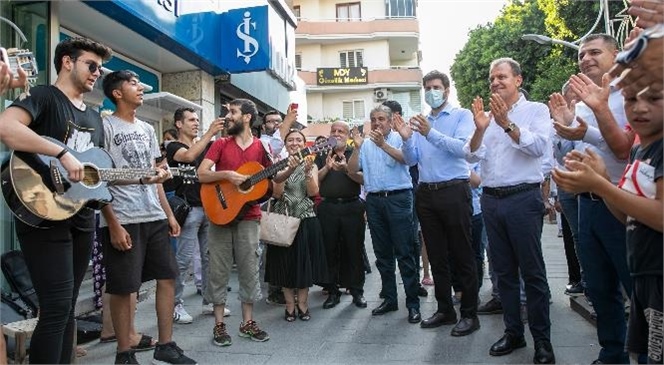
444	204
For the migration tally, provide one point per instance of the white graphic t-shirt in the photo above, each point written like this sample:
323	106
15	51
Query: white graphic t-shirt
132	145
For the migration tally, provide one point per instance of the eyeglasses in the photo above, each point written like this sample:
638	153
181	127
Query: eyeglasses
92	66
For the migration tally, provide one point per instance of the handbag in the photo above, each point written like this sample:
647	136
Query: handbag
180	208
278	229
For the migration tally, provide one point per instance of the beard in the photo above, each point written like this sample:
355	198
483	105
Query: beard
236	129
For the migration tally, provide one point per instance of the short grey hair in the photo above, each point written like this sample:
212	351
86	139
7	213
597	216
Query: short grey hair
382	109
516	68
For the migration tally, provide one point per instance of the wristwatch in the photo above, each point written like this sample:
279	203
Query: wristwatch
510	127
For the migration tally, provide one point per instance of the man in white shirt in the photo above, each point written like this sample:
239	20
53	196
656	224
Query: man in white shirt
603	128
510	143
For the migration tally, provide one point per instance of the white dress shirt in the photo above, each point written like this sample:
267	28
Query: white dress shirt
593	138
506	163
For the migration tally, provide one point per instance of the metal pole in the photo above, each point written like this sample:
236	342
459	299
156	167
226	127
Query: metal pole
607	18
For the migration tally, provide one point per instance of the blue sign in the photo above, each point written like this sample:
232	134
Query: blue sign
245	40
193	36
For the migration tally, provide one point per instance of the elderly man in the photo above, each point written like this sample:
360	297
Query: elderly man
444	204
509	143
389	209
341	215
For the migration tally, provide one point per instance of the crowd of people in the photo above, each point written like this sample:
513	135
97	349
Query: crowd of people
476	180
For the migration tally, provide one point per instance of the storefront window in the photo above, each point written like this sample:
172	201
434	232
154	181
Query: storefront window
32	19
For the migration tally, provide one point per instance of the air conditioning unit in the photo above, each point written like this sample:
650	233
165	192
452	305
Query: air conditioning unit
380	94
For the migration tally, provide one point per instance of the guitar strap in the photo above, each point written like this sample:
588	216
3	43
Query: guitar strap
268	149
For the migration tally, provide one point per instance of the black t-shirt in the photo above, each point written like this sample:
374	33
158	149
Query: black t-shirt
336	183
644	244
192	191
54	115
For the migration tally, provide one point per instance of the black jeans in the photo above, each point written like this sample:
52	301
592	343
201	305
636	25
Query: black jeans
573	268
445	216
57	259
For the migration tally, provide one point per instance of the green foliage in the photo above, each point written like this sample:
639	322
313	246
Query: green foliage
545	67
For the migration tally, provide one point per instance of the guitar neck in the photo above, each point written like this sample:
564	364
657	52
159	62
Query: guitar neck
130	174
272	170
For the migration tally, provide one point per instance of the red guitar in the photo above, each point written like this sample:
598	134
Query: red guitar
224	202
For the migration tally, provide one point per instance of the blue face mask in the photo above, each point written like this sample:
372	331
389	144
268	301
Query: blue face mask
434	98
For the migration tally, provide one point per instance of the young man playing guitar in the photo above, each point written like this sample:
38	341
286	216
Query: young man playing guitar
241	238
58	257
136	226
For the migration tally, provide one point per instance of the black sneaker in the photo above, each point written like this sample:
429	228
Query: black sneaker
126	357
221	336
494	306
421	292
575	290
170	353
251	330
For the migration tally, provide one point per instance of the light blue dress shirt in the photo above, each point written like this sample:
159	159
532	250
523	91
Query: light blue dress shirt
440	155
381	172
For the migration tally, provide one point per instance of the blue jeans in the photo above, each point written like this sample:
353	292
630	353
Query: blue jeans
603	255
390	225
194	233
514	227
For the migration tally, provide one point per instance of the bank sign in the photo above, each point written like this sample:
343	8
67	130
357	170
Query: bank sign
342	76
245	40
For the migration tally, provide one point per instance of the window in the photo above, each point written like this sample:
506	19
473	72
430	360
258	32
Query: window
400	8
348	12
296	11
351	58
353	110
298	61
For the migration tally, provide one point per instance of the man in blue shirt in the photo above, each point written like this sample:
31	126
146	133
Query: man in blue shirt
389	209
444	204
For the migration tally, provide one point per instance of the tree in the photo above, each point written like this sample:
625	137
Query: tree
545	67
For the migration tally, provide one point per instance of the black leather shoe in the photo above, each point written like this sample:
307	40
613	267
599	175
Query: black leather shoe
331	301
465	326
507	344
383	308
544	353
438	319
414	315
359	301
421	292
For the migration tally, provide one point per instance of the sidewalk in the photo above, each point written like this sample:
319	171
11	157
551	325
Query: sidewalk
350	335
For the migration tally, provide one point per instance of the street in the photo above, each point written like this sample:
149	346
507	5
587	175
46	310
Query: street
350	335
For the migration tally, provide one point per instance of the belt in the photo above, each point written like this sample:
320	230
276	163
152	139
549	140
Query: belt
441	184
340	200
590	196
388	193
506	191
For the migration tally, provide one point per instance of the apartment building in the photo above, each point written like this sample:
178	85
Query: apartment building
354	55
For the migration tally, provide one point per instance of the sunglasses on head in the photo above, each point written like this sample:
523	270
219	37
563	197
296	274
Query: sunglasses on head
92	66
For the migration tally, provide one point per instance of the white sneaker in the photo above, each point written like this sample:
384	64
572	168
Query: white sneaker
181	316
209	309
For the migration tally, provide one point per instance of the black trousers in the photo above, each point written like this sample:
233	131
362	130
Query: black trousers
343	227
57	259
445	217
573	267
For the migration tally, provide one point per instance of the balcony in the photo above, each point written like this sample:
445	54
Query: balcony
395	78
315	31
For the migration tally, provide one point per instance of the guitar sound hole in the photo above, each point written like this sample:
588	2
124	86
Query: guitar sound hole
90	176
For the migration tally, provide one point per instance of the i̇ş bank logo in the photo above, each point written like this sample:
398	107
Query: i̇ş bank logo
244	33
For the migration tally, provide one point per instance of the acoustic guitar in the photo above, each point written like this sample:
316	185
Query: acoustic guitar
224	202
39	193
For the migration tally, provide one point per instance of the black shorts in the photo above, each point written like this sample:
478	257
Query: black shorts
151	257
644	333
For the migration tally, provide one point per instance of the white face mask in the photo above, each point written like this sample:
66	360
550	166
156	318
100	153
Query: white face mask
434	98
